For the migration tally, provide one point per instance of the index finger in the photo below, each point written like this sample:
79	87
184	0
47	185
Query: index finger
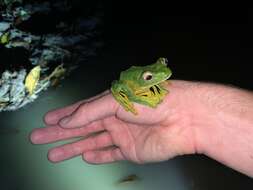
91	111
54	116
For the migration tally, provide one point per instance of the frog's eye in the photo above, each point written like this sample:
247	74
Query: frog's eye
147	75
165	61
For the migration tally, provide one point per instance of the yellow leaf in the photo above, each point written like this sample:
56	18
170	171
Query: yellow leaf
32	79
4	39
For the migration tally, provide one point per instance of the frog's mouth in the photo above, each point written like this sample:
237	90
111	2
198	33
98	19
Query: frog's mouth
157	84
155	89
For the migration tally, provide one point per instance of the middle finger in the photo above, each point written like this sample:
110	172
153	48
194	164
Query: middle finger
77	148
55	133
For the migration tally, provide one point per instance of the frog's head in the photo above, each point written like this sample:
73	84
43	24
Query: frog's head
146	76
154	73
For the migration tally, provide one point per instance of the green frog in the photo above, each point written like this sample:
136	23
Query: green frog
142	84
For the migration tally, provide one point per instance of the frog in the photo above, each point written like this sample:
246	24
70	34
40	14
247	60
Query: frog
142	84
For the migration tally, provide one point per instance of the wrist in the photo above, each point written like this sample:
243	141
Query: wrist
186	112
224	131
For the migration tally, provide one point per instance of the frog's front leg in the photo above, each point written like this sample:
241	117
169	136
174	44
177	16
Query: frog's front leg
151	96
119	94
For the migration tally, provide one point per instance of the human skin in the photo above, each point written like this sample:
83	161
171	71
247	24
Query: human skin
194	118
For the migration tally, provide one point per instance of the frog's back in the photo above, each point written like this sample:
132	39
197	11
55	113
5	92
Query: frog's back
132	74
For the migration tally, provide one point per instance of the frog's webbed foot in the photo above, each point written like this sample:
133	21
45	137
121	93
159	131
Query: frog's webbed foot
122	98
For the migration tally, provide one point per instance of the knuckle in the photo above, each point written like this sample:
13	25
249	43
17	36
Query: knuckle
83	111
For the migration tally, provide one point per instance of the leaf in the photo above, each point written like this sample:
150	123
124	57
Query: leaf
32	79
4	39
129	178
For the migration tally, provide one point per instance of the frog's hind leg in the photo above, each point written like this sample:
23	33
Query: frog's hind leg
122	98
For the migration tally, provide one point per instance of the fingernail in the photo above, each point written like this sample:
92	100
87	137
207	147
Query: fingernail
64	121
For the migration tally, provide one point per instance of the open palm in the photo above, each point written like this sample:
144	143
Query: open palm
109	133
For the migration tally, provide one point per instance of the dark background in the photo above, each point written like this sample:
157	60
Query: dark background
201	42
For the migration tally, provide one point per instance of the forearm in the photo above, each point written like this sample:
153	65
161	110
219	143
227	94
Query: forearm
225	131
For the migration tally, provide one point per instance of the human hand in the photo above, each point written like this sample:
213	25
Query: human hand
111	134
195	117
